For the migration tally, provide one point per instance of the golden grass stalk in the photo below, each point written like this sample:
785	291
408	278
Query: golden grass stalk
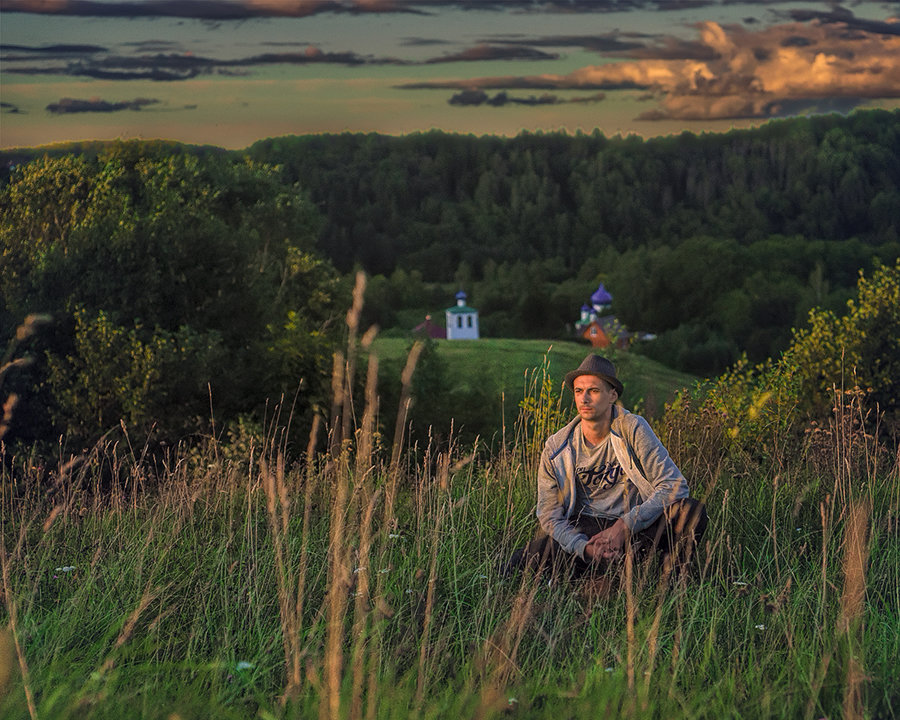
353	314
337	402
338	586
362	612
399	427
856	554
366	442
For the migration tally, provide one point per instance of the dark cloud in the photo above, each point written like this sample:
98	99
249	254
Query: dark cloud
848	19
796	41
492	52
216	11
606	43
211	10
9	109
673	5
479	97
153	46
623	45
73	105
170	67
670	48
423	42
54	49
536	82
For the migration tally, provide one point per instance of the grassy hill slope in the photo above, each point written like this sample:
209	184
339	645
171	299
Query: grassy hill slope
480	383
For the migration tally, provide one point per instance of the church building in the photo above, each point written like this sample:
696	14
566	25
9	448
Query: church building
462	320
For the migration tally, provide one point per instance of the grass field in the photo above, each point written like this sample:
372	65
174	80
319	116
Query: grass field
482	382
209	583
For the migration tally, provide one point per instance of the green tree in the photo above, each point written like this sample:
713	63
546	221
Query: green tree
861	347
162	257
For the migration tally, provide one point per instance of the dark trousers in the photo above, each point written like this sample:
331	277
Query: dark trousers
674	535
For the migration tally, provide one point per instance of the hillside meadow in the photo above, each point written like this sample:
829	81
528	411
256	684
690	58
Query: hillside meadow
480	385
363	581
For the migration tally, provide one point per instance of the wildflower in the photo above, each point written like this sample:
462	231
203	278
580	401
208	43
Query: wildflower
739	583
359	570
383	571
760	627
243	665
609	669
394	536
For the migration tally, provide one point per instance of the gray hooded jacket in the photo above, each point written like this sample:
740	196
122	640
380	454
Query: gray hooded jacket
651	480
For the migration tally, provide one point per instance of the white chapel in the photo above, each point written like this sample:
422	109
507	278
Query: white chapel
462	320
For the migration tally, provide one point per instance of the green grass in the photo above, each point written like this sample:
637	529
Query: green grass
479	384
505	366
261	587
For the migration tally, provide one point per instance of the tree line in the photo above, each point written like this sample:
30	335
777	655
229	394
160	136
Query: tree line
181	281
718	243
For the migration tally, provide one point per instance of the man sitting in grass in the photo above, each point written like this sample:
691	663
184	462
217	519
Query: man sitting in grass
607	483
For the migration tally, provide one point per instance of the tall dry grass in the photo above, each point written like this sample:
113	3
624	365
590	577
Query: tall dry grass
351	580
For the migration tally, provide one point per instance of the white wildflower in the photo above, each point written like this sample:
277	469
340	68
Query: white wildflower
244	665
760	627
65	569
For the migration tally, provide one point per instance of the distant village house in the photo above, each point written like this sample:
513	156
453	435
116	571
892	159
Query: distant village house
430	329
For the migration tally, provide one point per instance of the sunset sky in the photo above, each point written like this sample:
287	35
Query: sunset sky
229	72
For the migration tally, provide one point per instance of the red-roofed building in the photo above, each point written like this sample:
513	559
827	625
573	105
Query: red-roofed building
430	329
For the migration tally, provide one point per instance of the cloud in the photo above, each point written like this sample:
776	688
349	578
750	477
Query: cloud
72	105
212	10
729	72
153	46
479	97
9	109
531	82
423	42
236	10
847	19
490	52
605	43
54	49
169	67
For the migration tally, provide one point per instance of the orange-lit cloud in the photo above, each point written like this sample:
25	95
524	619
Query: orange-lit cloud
731	72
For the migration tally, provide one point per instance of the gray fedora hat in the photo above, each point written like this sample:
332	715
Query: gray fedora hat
598	366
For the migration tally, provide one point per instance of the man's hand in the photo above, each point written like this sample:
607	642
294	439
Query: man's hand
608	544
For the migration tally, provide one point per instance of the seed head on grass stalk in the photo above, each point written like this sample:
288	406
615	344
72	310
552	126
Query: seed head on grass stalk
402	413
359	290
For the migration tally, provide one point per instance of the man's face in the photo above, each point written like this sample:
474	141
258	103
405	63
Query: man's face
593	397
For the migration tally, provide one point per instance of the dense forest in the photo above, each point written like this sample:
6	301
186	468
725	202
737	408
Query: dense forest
719	243
158	283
